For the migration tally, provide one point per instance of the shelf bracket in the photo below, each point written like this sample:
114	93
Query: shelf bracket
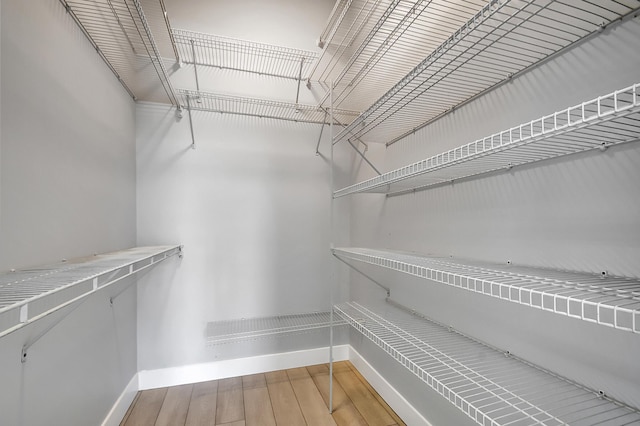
299	80
363	157
385	288
321	130
193	139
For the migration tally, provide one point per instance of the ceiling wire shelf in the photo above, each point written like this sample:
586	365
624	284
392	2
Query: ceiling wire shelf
369	45
491	387
261	108
30	294
605	300
599	123
241	55
121	34
240	330
501	40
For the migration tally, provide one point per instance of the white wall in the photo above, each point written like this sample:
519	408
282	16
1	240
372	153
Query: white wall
67	189
251	206
577	213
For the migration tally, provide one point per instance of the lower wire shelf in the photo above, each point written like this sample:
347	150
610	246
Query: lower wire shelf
489	386
239	330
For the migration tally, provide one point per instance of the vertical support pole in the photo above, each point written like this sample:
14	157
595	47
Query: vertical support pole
332	275
193	139
299	80
195	70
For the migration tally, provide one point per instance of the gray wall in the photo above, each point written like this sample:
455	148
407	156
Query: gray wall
577	213
67	189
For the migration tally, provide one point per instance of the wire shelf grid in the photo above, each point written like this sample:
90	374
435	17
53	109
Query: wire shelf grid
370	45
29	294
121	34
504	38
241	55
262	108
608	301
597	123
240	330
489	386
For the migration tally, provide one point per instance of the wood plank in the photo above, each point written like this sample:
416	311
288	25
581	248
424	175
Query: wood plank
175	406
314	410
128	413
254	381
344	412
381	400
364	401
283	399
202	408
257	407
147	408
230	402
314	370
238	423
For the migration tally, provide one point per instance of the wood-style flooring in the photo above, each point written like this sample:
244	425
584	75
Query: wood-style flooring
294	397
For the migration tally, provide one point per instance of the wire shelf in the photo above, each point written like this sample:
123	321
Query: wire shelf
121	34
598	123
604	300
489	386
240	55
30	294
262	108
504	38
370	45
234	331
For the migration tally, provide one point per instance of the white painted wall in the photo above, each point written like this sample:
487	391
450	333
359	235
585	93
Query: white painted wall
67	189
251	206
578	213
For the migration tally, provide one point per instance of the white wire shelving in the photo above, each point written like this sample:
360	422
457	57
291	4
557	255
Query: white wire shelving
370	44
262	108
30	294
233	331
489	386
241	55
502	39
599	123
605	300
121	33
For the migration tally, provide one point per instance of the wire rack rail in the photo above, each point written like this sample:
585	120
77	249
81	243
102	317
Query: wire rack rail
371	44
241	55
504	38
598	123
30	294
262	108
489	386
121	34
233	331
605	300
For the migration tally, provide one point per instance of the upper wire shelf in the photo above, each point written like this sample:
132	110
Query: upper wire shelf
30	294
604	300
121	34
504	38
489	386
598	123
369	45
233	331
240	55
262	108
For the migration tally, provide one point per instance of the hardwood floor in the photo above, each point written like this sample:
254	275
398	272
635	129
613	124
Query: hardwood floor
292	397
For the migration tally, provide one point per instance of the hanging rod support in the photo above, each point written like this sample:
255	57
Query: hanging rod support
193	139
321	130
363	157
385	288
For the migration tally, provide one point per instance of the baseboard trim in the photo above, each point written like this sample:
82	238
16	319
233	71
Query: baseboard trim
151	379
122	404
400	405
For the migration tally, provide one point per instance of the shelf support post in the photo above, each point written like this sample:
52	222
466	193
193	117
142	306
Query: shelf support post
193	139
332	277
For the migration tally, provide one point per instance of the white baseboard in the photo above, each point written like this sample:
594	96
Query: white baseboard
119	409
151	379
396	401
